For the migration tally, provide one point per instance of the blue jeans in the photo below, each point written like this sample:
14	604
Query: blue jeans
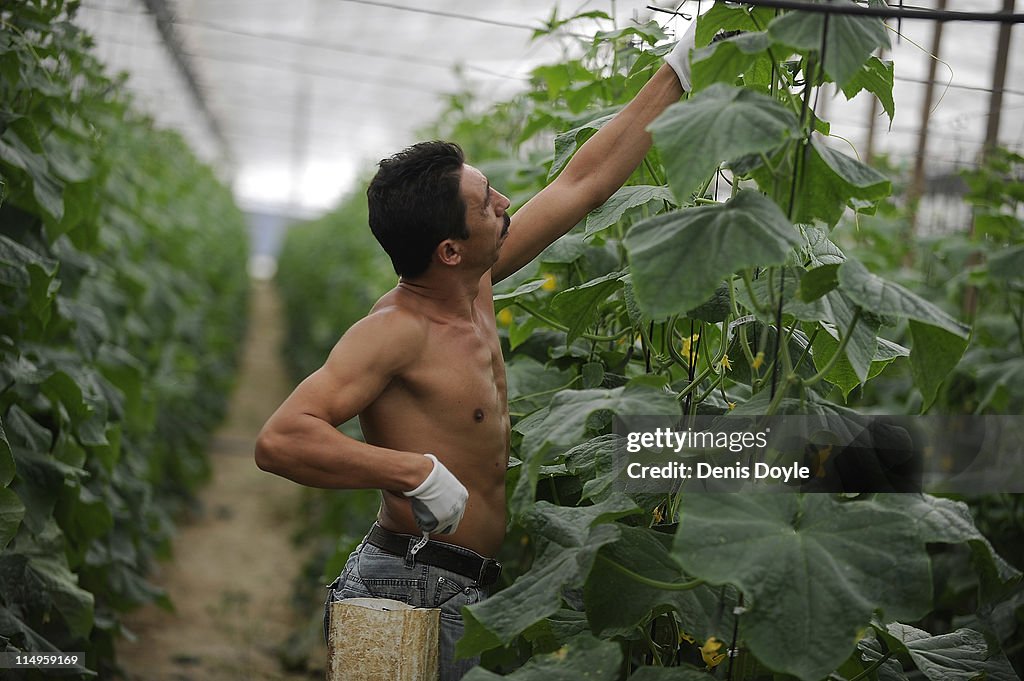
373	573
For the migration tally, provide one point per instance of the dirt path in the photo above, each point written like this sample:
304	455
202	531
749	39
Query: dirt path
234	564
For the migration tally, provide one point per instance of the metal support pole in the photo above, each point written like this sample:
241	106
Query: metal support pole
917	182
998	81
165	26
970	299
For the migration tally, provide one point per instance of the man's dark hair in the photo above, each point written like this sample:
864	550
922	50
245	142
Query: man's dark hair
415	204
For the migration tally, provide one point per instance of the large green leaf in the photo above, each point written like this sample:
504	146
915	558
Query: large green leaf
883	297
567	543
963	655
933	355
503	300
78	389
566	420
835	312
849	40
578	307
1007	264
820	250
40	568
566	250
11	513
631	196
13	628
651	32
617	604
725	60
938	520
817	281
564	423
15	261
88	517
7	467
23	431
65	157
829	182
862	345
1001	381
679	259
46	188
872	651
594	462
715	309
551	632
39	483
723	17
531	384
721	123
832	181
812	569
567	142
858	363
875	76
582	657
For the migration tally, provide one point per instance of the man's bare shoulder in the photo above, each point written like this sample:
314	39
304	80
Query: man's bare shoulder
391	325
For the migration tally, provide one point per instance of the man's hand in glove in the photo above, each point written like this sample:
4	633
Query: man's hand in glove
439	501
679	57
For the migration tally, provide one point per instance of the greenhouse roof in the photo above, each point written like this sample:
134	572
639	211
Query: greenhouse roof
294	101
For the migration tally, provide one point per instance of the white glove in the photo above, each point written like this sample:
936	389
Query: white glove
439	501
679	57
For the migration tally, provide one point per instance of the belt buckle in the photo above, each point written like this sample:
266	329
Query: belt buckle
489	572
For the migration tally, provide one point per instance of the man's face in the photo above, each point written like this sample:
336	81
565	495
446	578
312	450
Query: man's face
487	218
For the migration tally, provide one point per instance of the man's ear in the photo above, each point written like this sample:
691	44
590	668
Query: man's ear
449	252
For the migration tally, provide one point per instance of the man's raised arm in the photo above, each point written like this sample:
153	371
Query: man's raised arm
598	169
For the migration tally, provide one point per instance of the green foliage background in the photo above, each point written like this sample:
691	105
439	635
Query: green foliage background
330	272
123	284
667	301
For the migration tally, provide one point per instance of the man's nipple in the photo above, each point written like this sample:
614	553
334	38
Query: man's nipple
478	415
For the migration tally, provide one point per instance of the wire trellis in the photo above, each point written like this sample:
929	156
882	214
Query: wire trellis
887	12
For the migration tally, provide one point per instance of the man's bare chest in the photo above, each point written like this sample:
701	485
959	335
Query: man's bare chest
460	365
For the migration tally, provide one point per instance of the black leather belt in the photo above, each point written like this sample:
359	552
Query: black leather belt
485	571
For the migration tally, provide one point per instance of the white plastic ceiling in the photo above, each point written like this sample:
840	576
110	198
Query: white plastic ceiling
304	95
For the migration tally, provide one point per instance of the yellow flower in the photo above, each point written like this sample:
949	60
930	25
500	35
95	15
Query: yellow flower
550	282
505	317
947	462
709	651
683	636
688	346
658	515
725	364
758	361
822	455
732	405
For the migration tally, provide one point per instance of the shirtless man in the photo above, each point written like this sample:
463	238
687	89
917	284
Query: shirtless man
423	370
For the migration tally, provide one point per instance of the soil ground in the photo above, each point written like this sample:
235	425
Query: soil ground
232	575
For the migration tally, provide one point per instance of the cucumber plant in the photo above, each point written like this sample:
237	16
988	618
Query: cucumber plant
123	284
